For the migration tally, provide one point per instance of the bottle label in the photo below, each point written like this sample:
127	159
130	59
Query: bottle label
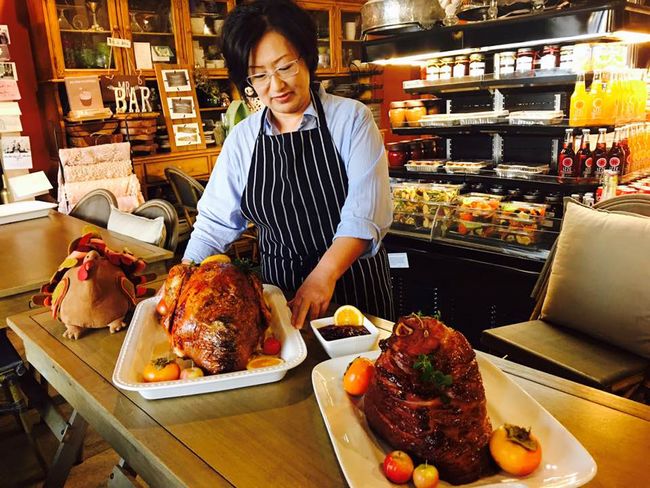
589	162
601	163
566	166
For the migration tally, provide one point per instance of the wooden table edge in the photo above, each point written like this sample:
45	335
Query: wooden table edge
93	406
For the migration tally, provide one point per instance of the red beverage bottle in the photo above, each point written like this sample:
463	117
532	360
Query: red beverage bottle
626	150
600	154
616	155
566	164
585	161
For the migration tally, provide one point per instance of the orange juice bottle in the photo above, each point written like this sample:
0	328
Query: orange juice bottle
640	96
595	100
609	101
580	110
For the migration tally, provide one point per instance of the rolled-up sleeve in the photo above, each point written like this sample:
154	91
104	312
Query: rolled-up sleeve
220	221
367	211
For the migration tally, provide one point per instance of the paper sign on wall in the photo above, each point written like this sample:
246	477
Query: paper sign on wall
16	152
10	123
9	90
4	34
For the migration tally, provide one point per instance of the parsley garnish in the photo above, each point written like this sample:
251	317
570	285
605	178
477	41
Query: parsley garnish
429	374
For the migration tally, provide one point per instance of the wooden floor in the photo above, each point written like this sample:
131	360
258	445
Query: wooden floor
19	466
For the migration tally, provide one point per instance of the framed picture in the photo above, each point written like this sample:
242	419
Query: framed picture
176	80
8	71
181	108
4	34
4	52
84	93
187	134
16	152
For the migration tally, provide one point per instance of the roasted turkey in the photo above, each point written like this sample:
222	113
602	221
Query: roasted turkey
427	398
215	314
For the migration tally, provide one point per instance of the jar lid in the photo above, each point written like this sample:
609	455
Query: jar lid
397	104
477	57
414	103
522	51
433	62
449	59
566	48
514	192
415	143
461	58
397	146
508	53
553	199
551	47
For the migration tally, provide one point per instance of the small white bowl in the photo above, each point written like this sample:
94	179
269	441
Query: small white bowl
347	345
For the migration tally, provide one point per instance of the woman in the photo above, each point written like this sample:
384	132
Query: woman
309	171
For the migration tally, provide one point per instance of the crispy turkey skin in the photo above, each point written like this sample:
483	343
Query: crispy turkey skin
427	398
216	315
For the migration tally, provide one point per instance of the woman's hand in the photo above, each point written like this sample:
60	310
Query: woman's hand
312	298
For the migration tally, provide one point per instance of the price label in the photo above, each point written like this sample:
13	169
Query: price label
397	260
118	42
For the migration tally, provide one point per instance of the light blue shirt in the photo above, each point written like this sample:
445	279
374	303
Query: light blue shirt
367	211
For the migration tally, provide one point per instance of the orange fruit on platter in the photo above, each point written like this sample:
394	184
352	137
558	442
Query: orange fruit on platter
263	362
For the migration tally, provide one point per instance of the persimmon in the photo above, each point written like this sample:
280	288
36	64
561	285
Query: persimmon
161	369
515	449
356	378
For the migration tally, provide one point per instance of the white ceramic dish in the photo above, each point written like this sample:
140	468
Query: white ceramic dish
17	211
145	337
349	345
565	463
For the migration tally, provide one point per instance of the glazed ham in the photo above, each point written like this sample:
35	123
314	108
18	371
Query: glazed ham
215	315
427	398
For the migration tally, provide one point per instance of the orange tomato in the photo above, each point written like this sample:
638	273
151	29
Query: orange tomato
161	369
515	449
356	378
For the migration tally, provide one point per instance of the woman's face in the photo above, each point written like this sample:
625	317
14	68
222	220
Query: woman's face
284	96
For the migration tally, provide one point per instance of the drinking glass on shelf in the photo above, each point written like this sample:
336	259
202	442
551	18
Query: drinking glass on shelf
135	26
63	20
149	22
92	6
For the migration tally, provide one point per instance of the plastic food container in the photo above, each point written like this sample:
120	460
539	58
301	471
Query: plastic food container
439	120
430	166
520	170
492	117
536	117
464	167
348	345
478	207
422	192
520	221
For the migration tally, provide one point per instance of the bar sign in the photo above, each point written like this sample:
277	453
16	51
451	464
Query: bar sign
118	42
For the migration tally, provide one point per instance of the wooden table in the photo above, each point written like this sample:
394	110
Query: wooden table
273	435
32	250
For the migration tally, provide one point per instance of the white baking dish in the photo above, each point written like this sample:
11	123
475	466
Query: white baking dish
146	338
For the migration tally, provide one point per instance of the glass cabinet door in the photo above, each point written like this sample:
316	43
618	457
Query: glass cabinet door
322	17
83	28
350	35
206	19
152	27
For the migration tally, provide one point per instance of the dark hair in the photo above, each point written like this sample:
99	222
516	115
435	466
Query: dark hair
248	22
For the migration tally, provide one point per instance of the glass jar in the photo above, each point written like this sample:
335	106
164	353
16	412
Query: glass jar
433	70
461	66
446	68
533	196
514	193
398	154
566	58
554	202
415	110
582	62
497	190
550	57
477	64
525	59
507	62
428	148
397	114
416	149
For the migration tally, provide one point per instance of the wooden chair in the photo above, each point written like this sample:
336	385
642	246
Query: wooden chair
95	207
152	209
568	353
187	191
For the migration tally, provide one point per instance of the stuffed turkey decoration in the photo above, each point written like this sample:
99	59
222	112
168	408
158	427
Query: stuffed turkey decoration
94	287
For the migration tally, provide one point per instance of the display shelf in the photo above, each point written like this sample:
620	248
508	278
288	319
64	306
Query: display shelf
152	33
510	129
205	35
538	78
541	182
85	31
213	109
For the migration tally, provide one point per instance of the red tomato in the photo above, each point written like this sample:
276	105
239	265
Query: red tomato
356	378
271	346
425	476
161	308
515	450
189	373
398	467
161	369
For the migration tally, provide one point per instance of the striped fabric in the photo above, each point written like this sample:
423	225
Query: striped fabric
296	188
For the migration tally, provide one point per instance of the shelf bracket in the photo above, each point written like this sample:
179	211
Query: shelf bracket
448	148
498	100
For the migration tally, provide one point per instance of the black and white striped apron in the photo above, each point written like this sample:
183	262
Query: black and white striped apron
297	184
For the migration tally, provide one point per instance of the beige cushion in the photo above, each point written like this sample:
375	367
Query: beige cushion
141	228
600	277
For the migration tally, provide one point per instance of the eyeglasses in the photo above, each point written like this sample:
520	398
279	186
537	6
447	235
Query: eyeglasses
284	72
